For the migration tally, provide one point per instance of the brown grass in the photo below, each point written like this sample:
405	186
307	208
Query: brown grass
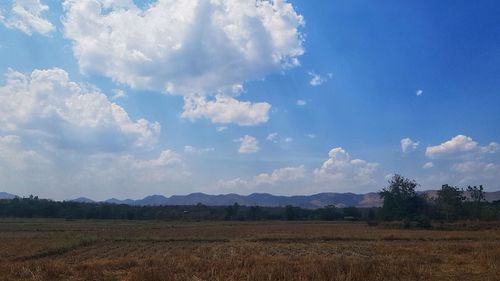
144	251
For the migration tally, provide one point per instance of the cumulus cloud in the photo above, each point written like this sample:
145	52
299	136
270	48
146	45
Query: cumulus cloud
282	175
248	144
26	16
419	92
466	162
184	47
59	138
317	80
301	102
342	171
460	145
48	104
225	110
407	144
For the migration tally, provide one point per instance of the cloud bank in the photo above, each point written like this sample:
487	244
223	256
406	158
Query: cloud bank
62	138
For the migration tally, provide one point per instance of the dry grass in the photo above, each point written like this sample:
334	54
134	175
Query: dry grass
143	251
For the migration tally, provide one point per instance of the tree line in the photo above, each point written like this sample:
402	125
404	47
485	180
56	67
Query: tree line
451	203
33	207
401	202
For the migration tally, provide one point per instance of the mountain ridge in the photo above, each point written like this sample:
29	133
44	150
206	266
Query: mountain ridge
313	201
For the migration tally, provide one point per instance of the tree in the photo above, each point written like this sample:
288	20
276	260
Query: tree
291	212
450	199
232	211
477	197
351	213
400	198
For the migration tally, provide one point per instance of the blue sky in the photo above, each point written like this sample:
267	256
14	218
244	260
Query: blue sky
123	98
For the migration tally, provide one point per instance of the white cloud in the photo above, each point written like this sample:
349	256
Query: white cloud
127	163
462	161
25	16
428	165
460	146
476	172
232	184
225	110
317	80
59	138
301	102
491	148
311	136
69	114
282	175
184	47
26	169
272	137
14	157
125	174
221	128
118	94
407	144
419	92
248	144
343	172
195	150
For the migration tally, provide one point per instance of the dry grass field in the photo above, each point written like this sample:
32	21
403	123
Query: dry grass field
40	249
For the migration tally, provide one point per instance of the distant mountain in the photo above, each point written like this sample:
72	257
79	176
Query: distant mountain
261	199
5	195
82	200
492	196
117	201
268	200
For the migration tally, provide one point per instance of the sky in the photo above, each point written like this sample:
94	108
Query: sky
122	98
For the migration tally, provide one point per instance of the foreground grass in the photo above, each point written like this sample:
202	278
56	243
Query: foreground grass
144	250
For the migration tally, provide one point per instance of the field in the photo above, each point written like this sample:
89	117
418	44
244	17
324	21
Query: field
41	249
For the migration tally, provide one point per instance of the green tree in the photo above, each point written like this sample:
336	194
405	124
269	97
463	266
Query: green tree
477	197
351	213
450	200
400	198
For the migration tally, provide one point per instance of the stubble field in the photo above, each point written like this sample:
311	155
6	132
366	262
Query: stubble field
41	249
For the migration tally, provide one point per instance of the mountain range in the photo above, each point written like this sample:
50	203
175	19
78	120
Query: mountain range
260	199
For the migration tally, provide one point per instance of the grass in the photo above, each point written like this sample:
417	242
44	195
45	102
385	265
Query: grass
41	249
